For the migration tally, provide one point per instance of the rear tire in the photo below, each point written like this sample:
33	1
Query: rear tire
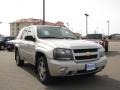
19	62
42	69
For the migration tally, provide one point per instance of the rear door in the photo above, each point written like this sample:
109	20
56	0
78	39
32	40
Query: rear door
30	46
22	44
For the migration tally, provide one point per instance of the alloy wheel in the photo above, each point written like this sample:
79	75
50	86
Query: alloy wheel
42	70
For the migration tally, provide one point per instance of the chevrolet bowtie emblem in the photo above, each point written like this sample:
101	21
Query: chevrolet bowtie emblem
88	53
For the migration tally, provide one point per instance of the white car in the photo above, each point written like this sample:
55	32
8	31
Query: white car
56	51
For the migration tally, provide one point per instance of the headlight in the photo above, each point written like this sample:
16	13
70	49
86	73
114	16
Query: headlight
102	52
62	54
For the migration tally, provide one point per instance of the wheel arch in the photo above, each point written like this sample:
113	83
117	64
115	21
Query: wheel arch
38	54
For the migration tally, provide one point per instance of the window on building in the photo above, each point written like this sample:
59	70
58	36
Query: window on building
17	24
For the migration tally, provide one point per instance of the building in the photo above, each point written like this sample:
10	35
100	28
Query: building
16	26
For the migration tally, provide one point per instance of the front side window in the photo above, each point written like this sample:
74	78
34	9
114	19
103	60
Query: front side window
55	32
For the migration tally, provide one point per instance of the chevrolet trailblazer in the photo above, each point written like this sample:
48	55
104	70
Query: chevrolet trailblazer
56	51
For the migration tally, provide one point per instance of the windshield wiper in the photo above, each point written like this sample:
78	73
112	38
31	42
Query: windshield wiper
53	37
60	37
69	38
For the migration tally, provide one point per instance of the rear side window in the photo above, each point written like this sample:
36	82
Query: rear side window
24	33
31	32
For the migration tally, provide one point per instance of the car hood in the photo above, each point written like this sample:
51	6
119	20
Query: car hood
69	43
11	42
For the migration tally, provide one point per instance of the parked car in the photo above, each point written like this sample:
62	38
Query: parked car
99	38
3	41
56	51
10	45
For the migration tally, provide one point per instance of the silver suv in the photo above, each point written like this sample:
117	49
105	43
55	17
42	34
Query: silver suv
56	51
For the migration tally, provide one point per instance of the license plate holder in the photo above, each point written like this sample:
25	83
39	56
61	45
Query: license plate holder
90	67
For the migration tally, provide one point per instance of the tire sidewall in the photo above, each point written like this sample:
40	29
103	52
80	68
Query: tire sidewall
17	58
106	49
47	76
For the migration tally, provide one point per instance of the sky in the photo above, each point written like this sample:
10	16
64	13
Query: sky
68	11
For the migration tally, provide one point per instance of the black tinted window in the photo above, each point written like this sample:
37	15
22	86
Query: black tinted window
94	36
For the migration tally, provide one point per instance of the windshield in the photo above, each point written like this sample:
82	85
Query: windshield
55	32
94	36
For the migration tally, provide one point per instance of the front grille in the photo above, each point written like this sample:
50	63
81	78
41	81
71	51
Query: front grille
86	54
85	50
85	57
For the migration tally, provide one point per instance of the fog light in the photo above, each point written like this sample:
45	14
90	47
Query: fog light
63	69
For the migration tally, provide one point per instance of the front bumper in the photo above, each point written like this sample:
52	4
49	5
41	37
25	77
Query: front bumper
69	68
10	46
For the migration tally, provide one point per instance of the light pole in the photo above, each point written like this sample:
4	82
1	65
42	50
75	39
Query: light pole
43	12
86	23
108	27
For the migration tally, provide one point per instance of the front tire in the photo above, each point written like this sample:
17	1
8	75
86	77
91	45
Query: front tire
42	69
91	74
19	62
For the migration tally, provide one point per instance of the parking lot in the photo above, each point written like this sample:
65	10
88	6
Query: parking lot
17	78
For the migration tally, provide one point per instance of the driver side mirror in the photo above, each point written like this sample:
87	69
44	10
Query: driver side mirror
29	38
